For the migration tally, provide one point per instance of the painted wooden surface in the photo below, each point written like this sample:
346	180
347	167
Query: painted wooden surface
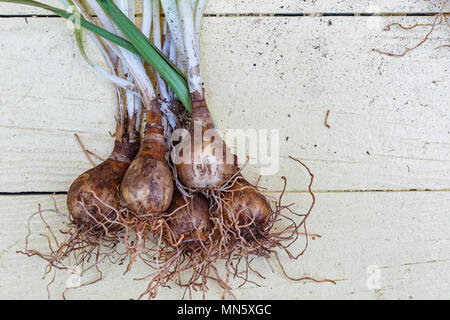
389	135
278	6
404	235
389	123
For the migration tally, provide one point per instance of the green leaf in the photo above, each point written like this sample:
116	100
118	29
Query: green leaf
170	73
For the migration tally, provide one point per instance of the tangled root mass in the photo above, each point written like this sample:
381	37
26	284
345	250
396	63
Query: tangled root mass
192	250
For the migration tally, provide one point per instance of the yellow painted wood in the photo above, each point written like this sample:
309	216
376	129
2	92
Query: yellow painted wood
328	6
278	6
390	127
402	236
389	130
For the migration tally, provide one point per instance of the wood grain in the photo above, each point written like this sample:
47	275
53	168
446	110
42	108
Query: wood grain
403	235
389	125
276	6
389	138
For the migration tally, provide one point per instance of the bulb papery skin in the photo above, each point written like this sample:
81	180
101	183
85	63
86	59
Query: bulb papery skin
202	158
93	198
188	219
243	205
147	186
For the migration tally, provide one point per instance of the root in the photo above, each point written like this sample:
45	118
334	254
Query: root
439	19
265	242
86	152
225	256
231	245
82	248
326	119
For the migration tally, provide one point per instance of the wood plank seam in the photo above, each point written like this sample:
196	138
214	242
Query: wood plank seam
41	193
383	137
299	14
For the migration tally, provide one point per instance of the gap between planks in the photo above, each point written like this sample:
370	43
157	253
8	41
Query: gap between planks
297	14
43	193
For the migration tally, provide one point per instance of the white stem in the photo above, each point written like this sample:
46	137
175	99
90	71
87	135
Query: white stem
172	50
127	7
170	117
156	24
172	19
198	20
165	27
169	50
133	62
192	53
104	19
146	17
166	49
121	104
157	42
166	93
106	23
134	104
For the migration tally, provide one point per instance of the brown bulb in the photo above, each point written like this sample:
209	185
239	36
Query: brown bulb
147	186
244	204
93	197
203	160
189	219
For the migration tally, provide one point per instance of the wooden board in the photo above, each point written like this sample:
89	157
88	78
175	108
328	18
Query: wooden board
404	236
324	6
389	136
275	6
389	125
